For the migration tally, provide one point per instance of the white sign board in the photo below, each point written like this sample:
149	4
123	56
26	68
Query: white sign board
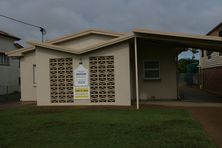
81	83
81	76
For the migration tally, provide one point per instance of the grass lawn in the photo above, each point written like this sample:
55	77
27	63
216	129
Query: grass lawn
109	128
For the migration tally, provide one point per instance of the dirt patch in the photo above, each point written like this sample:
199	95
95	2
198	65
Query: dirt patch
211	119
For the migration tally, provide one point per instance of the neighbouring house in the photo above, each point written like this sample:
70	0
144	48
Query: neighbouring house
97	67
9	67
211	66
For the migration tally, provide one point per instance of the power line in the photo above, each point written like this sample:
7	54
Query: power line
42	30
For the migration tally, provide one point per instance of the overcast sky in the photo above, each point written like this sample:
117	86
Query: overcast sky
61	17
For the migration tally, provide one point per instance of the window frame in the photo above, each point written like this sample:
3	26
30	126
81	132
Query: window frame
151	69
4	59
202	53
34	74
209	54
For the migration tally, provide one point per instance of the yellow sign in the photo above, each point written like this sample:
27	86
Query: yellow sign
81	92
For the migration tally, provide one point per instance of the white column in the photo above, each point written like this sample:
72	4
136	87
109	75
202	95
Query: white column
136	70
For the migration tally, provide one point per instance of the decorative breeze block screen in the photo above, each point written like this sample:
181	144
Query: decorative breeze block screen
61	80
102	84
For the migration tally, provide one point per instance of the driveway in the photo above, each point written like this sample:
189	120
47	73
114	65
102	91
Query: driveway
210	118
194	94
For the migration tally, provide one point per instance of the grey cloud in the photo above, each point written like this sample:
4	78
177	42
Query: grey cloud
68	16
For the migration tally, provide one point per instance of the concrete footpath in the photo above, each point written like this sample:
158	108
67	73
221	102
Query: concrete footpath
183	104
194	94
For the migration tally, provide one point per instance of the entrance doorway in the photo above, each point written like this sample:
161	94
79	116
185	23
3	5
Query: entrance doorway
189	79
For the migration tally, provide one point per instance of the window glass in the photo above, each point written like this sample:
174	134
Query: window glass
4	59
34	74
151	70
209	54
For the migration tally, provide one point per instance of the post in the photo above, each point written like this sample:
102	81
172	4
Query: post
177	76
136	70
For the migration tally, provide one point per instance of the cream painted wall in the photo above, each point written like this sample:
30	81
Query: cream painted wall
166	87
122	73
85	41
42	73
28	89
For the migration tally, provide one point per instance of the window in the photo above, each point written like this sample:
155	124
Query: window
202	53
19	81
220	33
34	74
4	59
151	70
209	54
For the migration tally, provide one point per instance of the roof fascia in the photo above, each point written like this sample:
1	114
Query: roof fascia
196	41
216	27
176	35
81	34
54	47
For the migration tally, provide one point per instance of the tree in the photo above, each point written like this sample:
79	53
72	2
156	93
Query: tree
194	51
182	64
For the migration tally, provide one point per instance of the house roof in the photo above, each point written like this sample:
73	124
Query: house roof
19	52
215	28
18	46
179	35
85	50
83	33
5	34
182	39
66	38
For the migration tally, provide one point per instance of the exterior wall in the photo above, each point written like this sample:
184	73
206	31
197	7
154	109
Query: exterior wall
85	41
166	87
215	60
28	89
122	74
211	69
212	80
9	74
